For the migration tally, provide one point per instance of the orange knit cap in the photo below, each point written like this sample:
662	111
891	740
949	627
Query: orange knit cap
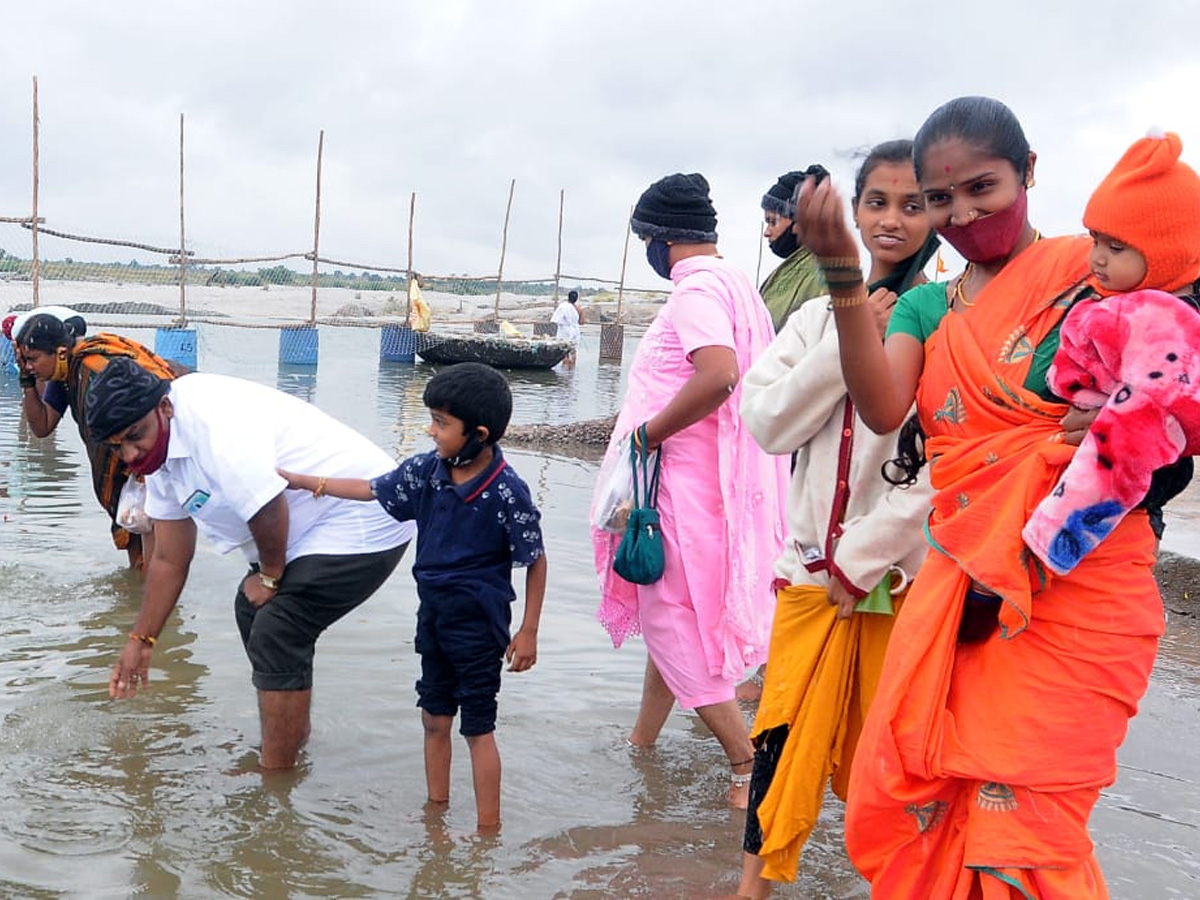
1151	201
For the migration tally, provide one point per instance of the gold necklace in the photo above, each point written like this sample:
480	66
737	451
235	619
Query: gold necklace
959	296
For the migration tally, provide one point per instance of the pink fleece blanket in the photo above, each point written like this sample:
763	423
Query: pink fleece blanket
1136	357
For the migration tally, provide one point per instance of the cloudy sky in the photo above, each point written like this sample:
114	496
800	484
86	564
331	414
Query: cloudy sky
452	99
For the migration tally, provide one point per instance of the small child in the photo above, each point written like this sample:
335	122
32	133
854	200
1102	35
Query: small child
1134	352
475	520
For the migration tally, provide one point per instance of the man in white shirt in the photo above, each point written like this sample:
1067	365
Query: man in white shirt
568	318
209	447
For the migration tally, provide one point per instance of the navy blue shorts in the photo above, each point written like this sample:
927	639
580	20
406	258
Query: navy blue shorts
315	591
462	653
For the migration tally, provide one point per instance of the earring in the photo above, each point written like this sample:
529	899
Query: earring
1029	183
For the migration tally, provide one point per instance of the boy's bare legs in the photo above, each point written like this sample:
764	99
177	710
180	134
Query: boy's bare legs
657	701
437	756
753	885
725	721
485	775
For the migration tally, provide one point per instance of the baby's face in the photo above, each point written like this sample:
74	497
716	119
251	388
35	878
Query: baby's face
1117	267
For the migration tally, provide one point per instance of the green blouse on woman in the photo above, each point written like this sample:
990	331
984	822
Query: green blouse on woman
919	312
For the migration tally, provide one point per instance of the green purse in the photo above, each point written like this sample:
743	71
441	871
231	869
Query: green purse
639	556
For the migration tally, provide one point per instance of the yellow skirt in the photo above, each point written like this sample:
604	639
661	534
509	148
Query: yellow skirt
821	676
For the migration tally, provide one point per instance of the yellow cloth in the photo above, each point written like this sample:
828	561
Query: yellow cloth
420	315
822	674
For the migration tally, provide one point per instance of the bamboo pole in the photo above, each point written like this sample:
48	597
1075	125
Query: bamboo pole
562	194
33	225
412	215
504	246
312	316
182	237
624	258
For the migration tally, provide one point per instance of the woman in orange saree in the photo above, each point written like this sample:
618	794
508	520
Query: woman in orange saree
1005	691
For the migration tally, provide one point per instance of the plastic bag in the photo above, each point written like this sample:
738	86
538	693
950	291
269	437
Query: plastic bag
614	491
131	508
614	497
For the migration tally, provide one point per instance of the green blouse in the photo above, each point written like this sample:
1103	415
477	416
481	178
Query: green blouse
919	312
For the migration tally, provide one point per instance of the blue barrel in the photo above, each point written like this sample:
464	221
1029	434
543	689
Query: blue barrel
299	345
398	343
178	344
8	361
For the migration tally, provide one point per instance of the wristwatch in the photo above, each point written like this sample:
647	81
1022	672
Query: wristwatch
270	582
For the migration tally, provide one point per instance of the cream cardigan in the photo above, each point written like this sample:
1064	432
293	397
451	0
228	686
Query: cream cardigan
793	401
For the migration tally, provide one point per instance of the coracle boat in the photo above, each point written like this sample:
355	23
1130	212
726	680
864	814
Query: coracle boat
496	350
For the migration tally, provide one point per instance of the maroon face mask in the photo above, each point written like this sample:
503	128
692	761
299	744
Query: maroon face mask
991	238
157	455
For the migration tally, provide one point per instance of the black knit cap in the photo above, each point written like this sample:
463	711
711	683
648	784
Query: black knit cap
676	208
120	394
776	199
779	198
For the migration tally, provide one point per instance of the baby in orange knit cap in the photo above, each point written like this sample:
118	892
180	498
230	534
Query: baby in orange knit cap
1134	353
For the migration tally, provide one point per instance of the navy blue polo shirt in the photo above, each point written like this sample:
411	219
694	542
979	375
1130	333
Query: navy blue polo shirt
469	536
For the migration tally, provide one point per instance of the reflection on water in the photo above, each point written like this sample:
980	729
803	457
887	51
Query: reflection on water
152	796
299	381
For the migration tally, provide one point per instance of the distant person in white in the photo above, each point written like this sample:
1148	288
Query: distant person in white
568	317
208	447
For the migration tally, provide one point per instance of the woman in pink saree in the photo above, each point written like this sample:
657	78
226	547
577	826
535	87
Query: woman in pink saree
708	618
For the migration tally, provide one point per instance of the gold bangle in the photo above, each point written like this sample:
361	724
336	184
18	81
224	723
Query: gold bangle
319	490
858	298
148	639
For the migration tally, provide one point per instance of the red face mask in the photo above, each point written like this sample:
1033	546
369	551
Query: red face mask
991	238
157	455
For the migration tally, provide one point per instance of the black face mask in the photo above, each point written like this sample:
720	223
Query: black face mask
471	449
786	244
906	271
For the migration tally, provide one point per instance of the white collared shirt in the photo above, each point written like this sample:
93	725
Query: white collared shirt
566	317
228	436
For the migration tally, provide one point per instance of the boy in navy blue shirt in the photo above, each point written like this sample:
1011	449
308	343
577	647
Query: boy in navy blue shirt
475	520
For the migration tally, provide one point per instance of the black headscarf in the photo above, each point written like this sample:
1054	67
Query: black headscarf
120	394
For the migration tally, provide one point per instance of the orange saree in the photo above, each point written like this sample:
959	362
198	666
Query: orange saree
979	764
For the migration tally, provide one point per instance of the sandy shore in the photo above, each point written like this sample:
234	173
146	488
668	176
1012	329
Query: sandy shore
274	305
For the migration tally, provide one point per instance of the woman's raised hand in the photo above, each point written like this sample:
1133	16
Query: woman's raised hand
821	221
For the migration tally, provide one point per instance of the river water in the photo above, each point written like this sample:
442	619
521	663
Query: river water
154	797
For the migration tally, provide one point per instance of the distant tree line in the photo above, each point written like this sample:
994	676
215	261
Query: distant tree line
140	273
